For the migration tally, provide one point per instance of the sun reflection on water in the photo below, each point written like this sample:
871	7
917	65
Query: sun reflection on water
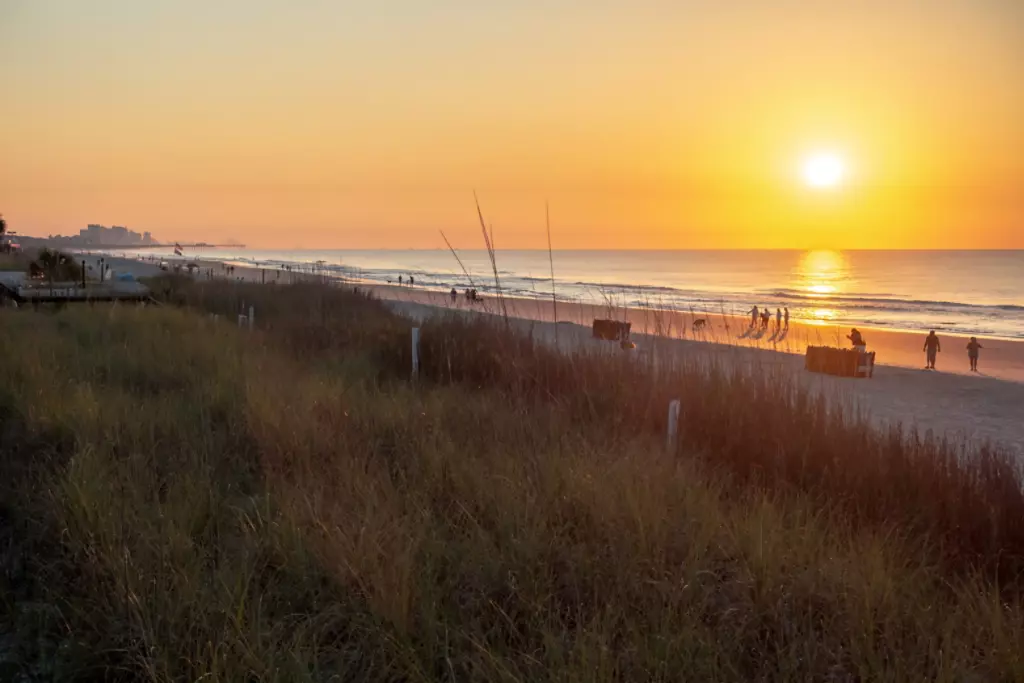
821	316
821	289
821	275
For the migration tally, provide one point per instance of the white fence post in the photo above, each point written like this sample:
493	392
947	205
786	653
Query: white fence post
415	352
672	432
252	315
241	320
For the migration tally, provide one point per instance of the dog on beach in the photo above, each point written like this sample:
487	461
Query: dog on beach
699	324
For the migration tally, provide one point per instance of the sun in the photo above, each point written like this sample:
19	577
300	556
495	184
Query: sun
824	170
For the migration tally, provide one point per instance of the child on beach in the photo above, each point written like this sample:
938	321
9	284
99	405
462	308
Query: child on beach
972	353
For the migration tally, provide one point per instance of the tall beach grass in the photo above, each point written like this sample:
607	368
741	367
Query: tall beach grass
184	499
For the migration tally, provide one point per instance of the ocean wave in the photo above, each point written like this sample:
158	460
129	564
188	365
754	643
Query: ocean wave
792	295
665	294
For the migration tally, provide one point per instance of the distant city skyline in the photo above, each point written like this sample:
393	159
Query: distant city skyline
645	125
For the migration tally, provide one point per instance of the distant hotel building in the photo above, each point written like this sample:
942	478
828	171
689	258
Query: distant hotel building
117	235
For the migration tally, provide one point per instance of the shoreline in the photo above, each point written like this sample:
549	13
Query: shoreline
1001	359
950	402
999	316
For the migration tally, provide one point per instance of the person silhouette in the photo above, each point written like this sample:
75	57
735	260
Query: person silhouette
754	315
787	317
778	319
856	339
932	347
399	280
972	353
454	295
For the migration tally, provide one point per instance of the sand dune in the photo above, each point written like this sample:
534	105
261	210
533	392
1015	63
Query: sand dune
952	402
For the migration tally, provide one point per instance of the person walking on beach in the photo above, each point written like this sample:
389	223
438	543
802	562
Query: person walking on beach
766	316
454	295
787	317
754	315
972	353
412	282
399	280
931	347
778	319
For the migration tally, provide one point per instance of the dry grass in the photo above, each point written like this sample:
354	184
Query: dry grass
183	499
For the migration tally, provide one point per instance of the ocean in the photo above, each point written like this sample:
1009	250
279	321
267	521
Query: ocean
960	292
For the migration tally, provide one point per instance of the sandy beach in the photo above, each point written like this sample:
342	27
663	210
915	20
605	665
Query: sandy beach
1000	359
951	402
962	406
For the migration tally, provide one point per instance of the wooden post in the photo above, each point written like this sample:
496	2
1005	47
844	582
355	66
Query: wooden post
415	352
252	315
263	275
83	273
672	433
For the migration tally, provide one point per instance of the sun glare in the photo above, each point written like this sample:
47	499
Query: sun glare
824	170
822	272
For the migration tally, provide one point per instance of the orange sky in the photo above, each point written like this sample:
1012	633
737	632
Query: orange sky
669	124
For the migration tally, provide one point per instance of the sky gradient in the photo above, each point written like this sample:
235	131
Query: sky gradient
645	124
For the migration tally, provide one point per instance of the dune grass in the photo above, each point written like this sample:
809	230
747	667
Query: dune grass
182	499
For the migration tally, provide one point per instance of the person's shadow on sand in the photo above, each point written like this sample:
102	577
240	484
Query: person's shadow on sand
779	336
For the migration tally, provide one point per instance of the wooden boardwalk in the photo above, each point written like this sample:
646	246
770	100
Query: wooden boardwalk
18	287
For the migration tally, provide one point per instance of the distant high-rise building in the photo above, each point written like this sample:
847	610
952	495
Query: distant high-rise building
117	235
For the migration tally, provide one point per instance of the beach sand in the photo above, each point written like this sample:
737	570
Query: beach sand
1000	359
951	402
962	406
